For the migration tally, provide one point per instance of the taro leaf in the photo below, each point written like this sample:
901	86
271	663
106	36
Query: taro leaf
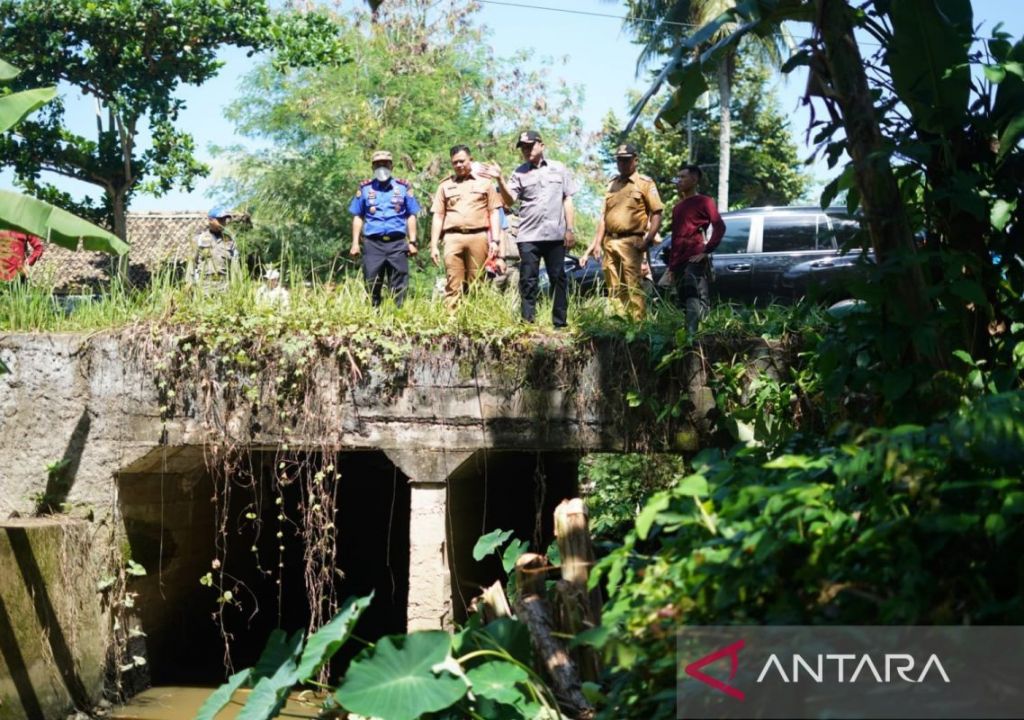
507	634
396	680
512	553
326	641
554	553
14	107
222	695
40	218
497	681
513	637
489	543
277	652
270	692
487	708
928	60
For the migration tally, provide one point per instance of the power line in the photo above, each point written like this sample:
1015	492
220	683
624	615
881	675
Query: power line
652	21
587	12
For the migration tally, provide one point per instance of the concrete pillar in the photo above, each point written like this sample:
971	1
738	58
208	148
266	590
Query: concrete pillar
430	584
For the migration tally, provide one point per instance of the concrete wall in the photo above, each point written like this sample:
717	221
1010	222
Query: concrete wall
52	632
79	412
93	402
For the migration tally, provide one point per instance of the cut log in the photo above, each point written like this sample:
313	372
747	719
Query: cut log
531	572
532	610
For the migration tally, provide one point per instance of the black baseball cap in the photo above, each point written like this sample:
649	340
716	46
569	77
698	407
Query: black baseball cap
528	138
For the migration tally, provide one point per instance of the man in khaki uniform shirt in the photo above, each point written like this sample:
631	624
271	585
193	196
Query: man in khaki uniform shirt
466	214
629	224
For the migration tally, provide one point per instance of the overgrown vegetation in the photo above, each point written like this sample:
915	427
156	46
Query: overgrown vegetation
875	479
485	670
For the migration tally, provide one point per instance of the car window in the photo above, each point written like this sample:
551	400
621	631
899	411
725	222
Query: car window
737	232
845	231
793	233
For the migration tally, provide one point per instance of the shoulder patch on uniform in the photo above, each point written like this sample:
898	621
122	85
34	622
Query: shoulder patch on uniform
647	178
364	183
402	181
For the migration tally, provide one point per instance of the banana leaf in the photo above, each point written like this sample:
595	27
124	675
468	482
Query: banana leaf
14	107
8	71
20	212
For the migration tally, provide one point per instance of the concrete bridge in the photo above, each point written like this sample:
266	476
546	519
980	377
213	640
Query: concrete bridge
179	461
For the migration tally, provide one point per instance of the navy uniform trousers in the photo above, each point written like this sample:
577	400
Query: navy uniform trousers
386	259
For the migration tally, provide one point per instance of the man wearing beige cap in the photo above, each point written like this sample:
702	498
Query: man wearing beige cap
384	213
629	223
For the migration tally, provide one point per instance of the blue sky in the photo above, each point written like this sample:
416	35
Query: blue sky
597	54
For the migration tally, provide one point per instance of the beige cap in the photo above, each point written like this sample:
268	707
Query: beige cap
381	156
625	150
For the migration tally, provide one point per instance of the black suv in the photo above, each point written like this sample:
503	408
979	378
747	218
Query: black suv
772	253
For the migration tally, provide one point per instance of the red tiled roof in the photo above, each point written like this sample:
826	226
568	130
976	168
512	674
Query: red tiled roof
156	238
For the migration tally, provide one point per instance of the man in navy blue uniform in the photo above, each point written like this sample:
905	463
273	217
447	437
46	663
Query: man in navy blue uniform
384	217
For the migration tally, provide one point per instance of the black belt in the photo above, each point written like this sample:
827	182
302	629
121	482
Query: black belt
390	236
466	231
620	236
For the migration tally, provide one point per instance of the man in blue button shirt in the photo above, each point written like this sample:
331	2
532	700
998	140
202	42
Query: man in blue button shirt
384	216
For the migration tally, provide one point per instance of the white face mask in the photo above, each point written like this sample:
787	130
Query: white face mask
382	173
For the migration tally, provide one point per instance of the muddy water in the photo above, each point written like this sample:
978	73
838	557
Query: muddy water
182	703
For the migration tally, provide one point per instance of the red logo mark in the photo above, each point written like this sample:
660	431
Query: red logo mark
693	669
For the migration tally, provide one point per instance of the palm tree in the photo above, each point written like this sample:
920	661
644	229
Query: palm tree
663	25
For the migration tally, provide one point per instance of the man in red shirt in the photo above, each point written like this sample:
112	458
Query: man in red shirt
690	256
14	247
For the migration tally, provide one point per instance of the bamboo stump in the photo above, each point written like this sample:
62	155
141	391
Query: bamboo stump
532	609
578	608
494	603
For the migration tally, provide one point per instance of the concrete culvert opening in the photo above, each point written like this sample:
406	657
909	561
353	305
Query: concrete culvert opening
232	550
515	491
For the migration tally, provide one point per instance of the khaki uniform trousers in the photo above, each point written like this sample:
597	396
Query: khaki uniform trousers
622	268
464	258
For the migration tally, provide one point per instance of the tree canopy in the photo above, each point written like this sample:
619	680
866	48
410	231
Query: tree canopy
132	56
765	168
421	82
